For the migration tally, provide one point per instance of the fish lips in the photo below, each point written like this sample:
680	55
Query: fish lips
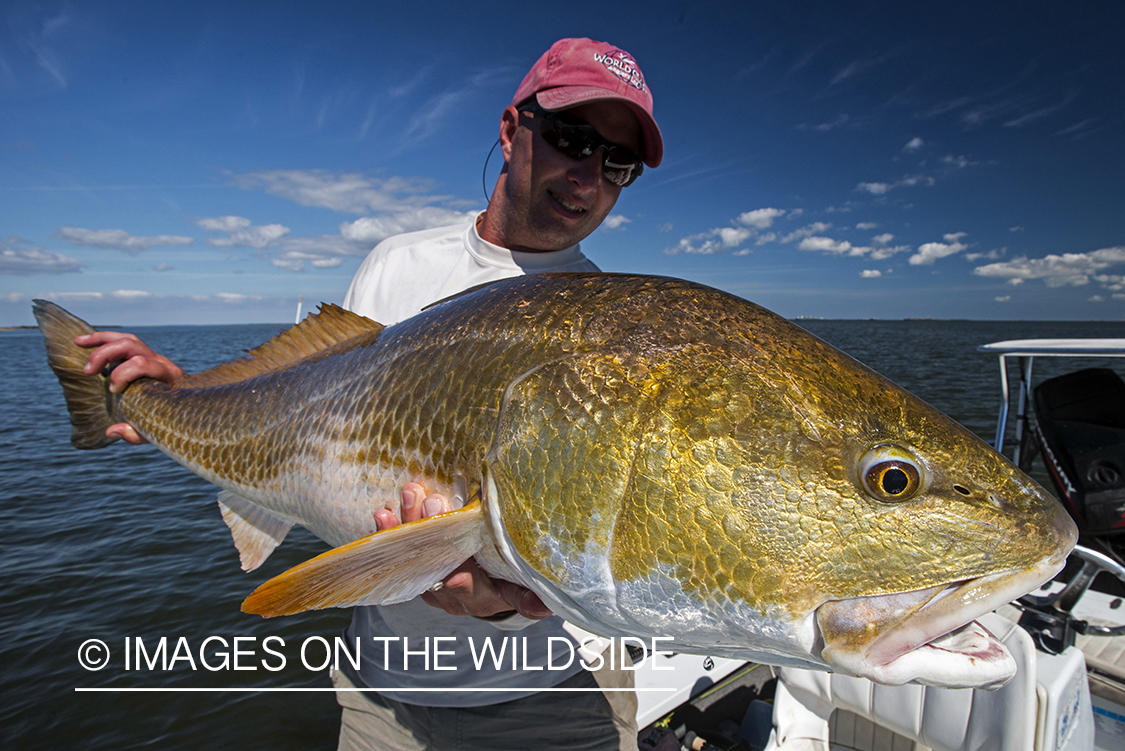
928	636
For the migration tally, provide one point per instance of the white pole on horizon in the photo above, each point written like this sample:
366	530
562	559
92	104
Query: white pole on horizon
300	300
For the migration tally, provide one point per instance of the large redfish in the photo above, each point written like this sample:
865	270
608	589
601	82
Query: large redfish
651	456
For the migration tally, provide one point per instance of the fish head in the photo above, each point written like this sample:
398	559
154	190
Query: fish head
818	493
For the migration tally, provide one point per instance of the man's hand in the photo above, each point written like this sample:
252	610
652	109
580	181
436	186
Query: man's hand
136	361
468	590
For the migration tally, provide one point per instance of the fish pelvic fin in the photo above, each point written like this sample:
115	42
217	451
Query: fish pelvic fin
383	568
88	400
330	329
256	532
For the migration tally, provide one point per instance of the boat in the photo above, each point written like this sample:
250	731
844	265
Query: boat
1068	638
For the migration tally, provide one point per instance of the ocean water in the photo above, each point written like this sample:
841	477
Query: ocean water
122	545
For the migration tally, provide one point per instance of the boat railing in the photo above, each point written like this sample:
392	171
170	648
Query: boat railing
1026	350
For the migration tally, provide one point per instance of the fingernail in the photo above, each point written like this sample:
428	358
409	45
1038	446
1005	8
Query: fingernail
431	507
409	498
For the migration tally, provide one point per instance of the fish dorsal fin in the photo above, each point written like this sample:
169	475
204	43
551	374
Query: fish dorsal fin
386	567
328	328
256	532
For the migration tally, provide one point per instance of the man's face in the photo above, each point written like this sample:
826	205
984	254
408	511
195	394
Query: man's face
555	201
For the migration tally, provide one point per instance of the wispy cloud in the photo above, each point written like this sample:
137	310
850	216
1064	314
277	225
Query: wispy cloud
1039	114
349	192
241	233
117	239
319	252
17	259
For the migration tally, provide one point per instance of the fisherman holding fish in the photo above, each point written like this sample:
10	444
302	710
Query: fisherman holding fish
579	129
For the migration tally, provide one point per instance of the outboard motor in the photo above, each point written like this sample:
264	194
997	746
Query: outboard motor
1080	429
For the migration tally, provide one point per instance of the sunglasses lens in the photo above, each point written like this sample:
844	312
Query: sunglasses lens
621	175
579	140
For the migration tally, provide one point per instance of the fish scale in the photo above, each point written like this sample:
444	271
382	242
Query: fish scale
651	456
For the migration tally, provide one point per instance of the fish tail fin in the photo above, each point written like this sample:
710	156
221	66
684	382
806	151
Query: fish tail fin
88	400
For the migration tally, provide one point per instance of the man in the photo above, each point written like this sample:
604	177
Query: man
577	131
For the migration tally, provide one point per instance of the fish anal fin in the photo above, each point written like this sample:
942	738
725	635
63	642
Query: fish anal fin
330	329
256	532
383	568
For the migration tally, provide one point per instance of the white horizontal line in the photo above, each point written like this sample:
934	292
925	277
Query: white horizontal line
311	689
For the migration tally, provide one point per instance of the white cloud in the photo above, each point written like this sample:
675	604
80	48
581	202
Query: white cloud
615	221
318	251
871	273
759	218
127	295
1003	298
241	233
370	230
722	239
930	252
234	298
913	145
826	244
18	260
882	248
879	249
866	226
223	223
808	231
875	189
908	181
117	239
1112	282
1068	269
959	162
989	256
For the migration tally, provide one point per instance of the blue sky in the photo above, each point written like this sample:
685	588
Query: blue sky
210	162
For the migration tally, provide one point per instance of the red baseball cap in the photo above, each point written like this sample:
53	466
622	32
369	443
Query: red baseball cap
577	71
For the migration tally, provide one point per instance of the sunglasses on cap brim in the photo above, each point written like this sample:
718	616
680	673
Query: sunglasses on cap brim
576	139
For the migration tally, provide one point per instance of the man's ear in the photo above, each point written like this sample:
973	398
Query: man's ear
509	122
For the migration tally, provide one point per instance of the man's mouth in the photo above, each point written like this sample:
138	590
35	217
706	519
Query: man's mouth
567	204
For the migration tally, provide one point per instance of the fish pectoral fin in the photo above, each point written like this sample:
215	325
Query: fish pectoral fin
383	568
256	532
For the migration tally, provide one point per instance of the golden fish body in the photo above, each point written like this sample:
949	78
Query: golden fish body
651	456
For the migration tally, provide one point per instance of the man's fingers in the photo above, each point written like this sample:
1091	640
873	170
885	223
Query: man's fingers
385	519
125	432
412	496
526	602
434	505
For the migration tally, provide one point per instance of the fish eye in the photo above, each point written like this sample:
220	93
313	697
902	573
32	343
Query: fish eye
891	474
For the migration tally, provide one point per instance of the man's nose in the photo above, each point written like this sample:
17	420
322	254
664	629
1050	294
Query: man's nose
588	171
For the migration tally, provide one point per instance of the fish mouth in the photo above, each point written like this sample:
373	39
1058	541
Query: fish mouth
929	635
